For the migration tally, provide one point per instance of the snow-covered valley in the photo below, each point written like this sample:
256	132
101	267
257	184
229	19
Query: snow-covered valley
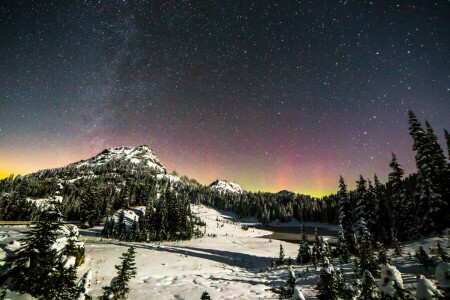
228	262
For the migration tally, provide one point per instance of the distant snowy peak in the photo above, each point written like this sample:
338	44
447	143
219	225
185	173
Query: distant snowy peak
138	155
224	186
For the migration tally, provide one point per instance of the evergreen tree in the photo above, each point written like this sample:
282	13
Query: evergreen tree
431	207
125	271
440	172
36	266
382	228
304	253
366	256
205	296
287	291
368	288
342	246
382	255
345	210
361	198
423	257
403	210
281	258
442	253
327	286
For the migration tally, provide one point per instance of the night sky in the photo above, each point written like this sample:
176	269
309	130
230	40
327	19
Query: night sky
273	96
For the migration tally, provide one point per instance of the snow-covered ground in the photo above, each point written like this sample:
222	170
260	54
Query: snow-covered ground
228	262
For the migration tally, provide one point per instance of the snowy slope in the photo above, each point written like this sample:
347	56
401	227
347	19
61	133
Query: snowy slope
224	186
138	155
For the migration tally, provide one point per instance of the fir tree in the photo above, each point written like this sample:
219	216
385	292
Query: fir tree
327	286
431	207
125	271
423	257
342	247
36	266
304	254
361	195
287	291
440	169
403	210
345	210
205	296
382	255
366	256
281	258
382	227
368	288
442	253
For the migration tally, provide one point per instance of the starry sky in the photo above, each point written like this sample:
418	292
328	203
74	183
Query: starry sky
270	94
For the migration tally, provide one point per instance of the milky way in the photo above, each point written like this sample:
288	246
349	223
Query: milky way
270	94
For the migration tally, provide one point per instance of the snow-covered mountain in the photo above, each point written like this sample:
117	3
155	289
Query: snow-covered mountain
138	155
224	186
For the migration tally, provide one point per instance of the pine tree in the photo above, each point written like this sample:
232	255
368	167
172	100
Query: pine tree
281	258
382	255
368	288
366	256
423	257
442	253
342	246
327	285
287	291
431	207
382	228
125	271
304	253
205	296
36	266
440	169
345	210
361	198
403	210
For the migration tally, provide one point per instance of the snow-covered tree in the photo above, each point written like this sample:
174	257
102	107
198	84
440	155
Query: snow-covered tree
205	296
327	286
431	207
423	257
345	210
281	258
391	284
368	289
342	246
304	252
361	198
426	289
38	266
118	289
443	276
366	260
287	291
402	206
